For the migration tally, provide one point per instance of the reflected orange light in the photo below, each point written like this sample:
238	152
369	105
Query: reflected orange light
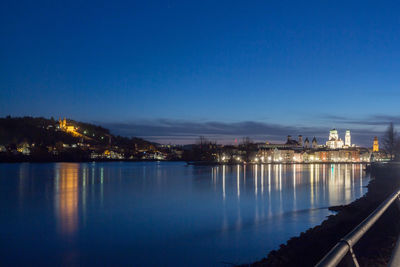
67	197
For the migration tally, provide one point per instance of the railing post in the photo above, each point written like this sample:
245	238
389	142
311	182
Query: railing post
398	202
353	256
351	259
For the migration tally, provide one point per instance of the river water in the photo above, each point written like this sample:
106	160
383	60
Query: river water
152	214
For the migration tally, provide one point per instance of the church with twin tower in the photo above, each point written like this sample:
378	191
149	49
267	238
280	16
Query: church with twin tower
335	142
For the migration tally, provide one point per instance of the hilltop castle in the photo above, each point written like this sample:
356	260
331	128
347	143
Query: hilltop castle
62	124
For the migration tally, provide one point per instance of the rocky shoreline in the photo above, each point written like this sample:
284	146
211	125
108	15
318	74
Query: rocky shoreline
374	249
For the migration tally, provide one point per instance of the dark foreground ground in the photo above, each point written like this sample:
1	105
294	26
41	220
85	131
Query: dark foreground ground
374	249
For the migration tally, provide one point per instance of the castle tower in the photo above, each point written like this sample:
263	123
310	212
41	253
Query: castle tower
375	147
314	143
347	139
300	140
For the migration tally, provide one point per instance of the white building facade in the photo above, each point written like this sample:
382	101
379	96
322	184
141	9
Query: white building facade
334	142
347	139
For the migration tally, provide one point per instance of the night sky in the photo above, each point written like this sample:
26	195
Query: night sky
170	71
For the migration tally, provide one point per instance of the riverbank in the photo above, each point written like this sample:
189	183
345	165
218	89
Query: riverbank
374	249
214	163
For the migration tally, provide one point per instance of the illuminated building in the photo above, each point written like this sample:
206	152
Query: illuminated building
334	141
24	148
321	154
69	128
375	147
286	155
109	154
347	139
65	127
336	150
333	134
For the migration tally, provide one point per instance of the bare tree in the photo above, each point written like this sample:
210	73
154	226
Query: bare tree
390	140
205	149
247	146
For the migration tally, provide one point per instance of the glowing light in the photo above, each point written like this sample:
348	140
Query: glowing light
223	181
67	197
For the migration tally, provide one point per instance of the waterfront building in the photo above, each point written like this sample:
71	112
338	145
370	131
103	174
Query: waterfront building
314	156
287	155
347	139
321	155
365	156
291	142
375	147
279	155
298	157
24	148
300	140
333	156
336	150
306	143
314	143
109	154
334	142
276	155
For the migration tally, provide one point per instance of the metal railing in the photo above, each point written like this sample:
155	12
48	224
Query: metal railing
346	244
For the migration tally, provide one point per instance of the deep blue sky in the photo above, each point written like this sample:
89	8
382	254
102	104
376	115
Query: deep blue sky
172	70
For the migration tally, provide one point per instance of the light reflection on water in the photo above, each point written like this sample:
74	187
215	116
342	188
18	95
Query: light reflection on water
66	196
164	213
330	183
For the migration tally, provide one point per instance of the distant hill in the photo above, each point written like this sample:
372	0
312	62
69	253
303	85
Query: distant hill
46	132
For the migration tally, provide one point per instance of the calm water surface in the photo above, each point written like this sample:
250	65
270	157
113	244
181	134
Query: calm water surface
163	213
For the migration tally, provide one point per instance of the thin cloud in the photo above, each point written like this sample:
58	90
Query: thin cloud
178	131
371	120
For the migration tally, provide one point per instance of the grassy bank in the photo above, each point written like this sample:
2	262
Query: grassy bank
374	249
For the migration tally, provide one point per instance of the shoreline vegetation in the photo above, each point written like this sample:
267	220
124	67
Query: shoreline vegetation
374	249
